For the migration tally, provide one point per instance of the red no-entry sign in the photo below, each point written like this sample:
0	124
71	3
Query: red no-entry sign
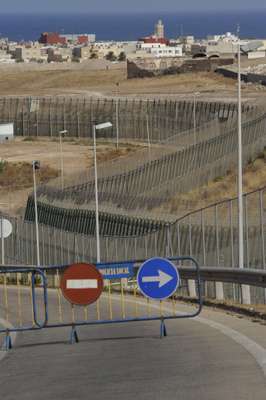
81	284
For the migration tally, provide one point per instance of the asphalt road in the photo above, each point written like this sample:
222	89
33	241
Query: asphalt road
208	358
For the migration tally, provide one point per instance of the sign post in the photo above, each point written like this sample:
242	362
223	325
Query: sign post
5	231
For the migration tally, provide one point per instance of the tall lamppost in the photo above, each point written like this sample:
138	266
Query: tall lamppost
36	166
61	135
117	115
240	168
194	115
245	288
97	231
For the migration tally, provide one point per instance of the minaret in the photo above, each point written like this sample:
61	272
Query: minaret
159	30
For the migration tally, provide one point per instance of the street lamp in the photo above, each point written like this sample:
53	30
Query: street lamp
97	127
36	166
194	114
61	135
245	288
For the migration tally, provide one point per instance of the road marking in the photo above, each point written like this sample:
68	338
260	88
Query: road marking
163	278
82	284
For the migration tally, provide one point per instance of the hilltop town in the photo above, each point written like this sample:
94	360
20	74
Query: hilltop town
147	56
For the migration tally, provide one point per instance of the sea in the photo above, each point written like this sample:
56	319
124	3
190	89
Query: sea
112	26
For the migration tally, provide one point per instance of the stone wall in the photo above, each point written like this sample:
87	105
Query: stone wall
150	66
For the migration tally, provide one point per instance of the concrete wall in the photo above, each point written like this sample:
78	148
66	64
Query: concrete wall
248	77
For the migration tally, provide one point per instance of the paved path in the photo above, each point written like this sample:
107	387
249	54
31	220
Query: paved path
130	361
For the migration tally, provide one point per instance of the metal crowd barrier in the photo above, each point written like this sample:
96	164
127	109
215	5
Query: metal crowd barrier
28	304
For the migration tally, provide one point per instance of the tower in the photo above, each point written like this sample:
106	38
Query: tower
159	30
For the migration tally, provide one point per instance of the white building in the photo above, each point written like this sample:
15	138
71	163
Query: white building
29	53
159	50
227	37
5	58
167	51
148	46
6	132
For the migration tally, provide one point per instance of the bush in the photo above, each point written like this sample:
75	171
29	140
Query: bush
93	56
110	56
122	56
2	165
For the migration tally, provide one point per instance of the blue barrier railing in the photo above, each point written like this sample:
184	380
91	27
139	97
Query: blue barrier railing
46	322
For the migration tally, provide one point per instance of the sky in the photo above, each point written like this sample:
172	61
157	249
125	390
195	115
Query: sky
126	6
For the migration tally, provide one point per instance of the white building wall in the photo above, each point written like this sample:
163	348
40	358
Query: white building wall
167	51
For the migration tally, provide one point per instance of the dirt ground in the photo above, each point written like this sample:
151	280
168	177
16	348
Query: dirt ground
77	158
96	80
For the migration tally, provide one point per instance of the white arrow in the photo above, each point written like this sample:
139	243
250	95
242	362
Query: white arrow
162	278
82	284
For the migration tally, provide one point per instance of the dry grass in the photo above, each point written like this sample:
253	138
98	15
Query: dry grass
16	172
59	81
203	81
76	80
112	154
220	189
19	175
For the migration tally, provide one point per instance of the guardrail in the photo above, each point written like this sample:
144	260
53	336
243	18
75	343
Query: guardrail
252	277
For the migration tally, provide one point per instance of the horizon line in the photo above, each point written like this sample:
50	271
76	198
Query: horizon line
137	12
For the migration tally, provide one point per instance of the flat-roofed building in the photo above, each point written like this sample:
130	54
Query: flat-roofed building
167	51
23	53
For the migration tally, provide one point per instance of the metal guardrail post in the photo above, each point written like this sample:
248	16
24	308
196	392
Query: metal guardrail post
191	283
218	285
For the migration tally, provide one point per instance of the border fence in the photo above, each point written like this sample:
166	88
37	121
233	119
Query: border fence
151	184
46	116
209	235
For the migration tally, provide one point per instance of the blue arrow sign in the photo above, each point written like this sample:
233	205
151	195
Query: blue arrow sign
158	278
